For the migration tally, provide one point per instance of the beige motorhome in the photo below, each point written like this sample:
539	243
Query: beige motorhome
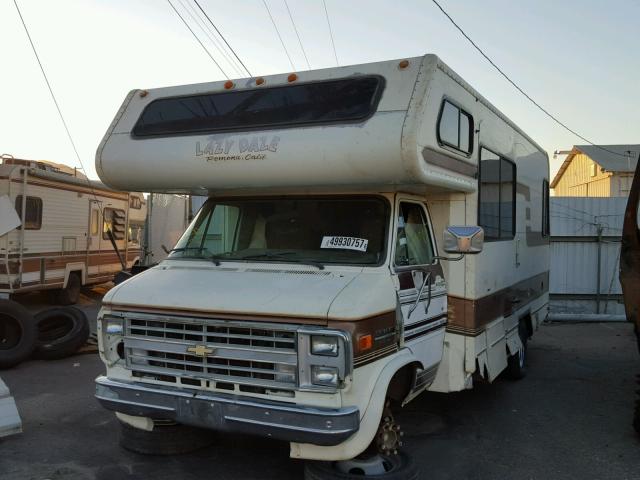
54	234
315	288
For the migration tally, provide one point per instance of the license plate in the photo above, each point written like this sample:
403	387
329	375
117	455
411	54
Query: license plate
345	243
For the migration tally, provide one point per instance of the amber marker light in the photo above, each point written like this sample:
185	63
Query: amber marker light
403	64
259	81
365	342
292	77
228	84
143	93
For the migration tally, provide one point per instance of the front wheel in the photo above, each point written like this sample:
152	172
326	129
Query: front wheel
378	466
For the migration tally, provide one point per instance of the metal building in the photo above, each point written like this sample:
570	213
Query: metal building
596	171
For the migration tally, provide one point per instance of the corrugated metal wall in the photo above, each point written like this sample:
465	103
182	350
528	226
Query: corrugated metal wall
576	223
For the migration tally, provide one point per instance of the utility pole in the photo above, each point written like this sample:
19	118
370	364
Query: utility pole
599	229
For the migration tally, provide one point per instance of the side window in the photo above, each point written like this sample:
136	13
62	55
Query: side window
114	220
413	243
496	210
33	215
222	229
455	128
546	228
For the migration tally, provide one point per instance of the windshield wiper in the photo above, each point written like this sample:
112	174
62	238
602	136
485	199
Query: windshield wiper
283	256
210	256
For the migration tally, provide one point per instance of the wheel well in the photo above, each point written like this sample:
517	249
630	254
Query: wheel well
401	382
77	273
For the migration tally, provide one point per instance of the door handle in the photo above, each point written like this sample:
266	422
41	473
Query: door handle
427	279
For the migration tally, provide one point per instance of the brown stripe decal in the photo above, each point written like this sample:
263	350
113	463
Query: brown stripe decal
450	163
469	317
69	188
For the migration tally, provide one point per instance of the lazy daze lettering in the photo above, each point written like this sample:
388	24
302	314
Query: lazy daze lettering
253	148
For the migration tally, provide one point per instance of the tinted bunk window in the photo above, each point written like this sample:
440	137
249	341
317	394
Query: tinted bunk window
347	100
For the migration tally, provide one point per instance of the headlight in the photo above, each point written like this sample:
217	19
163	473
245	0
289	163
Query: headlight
324	345
324	376
113	325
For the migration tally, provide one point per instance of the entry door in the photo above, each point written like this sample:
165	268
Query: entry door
94	235
421	287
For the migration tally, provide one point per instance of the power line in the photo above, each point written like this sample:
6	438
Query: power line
297	35
222	36
198	40
278	32
545	111
326	14
206	29
55	101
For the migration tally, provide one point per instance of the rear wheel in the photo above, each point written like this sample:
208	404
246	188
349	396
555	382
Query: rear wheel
17	333
70	294
516	363
166	438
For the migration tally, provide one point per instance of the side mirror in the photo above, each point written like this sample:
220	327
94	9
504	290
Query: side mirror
463	239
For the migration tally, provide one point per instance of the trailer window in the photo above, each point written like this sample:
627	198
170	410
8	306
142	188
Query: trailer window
33	215
114	220
95	222
455	128
135	202
496	211
346	100
546	229
413	243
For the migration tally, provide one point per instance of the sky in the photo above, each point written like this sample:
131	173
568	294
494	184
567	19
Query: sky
578	58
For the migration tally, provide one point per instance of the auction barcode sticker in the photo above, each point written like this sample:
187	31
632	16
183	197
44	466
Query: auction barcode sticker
347	243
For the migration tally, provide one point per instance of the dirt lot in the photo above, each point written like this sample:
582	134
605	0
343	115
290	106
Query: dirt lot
569	418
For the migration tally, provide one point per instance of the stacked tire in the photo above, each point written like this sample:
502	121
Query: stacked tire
18	334
52	334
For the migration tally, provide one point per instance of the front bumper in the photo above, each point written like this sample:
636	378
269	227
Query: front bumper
232	413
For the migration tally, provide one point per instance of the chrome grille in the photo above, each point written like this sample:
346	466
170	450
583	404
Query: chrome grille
229	352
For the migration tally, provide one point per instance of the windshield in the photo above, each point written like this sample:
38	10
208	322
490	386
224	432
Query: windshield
320	231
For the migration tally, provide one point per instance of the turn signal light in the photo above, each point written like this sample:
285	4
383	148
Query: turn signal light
365	342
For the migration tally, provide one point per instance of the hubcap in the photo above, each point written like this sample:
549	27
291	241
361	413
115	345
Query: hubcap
521	354
372	465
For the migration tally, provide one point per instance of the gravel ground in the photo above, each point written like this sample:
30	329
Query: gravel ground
569	418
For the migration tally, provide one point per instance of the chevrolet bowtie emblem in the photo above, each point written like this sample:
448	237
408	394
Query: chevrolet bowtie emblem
200	350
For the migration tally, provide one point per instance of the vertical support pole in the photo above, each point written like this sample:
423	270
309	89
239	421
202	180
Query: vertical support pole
23	226
599	268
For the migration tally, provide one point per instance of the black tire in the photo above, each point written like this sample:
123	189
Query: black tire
636	412
517	363
17	333
70	294
401	468
61	332
164	439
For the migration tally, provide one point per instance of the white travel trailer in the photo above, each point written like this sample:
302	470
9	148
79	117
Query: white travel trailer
58	238
313	290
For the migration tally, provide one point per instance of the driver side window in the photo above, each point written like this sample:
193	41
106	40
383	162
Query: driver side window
413	243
